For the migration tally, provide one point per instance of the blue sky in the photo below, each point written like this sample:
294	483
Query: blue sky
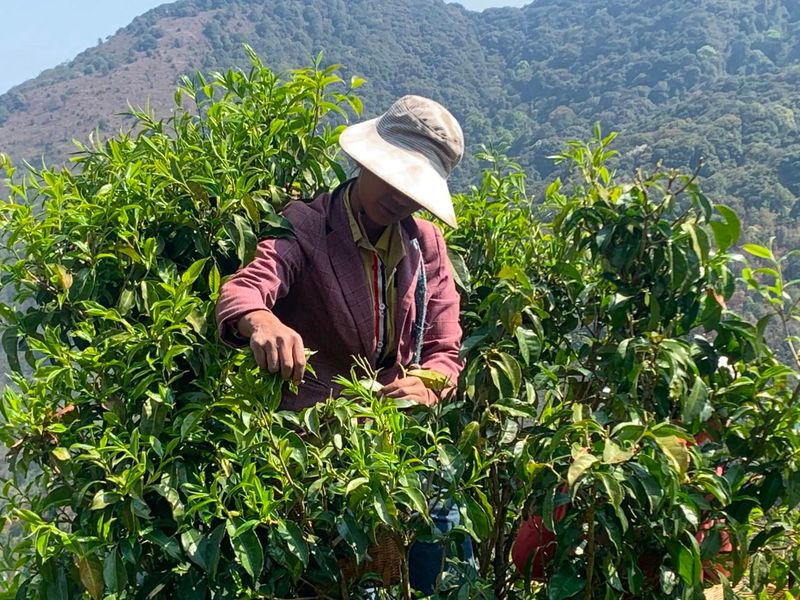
39	34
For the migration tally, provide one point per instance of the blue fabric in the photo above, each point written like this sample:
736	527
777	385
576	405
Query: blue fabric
427	559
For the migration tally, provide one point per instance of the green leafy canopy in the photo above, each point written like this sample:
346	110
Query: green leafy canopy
609	390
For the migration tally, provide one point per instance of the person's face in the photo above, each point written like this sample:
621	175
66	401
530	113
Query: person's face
382	203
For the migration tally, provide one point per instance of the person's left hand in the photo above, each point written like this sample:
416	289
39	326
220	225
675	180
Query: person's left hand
410	388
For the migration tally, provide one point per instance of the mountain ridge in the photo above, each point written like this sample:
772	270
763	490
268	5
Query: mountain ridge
680	80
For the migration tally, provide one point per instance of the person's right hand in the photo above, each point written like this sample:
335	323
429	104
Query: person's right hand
276	347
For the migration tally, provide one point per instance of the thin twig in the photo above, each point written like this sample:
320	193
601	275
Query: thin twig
590	551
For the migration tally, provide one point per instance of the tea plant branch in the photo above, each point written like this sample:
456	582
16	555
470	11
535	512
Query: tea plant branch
442	565
285	468
510	539
675	194
500	554
788	336
695	174
405	575
486	555
643	242
591	548
795	395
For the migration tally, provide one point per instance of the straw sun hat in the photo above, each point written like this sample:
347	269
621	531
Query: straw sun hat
413	147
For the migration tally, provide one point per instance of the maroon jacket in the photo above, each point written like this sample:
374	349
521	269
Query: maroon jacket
317	286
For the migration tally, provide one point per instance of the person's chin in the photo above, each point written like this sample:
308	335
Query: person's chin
387	218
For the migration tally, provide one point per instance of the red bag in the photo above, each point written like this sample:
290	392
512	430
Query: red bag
537	544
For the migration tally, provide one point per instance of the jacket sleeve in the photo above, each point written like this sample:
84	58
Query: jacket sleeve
442	340
260	284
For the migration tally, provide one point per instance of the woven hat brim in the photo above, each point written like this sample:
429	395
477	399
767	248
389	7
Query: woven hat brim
405	170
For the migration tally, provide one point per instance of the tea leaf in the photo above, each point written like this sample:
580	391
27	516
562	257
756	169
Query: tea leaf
475	518
91	575
248	550
193	272
759	251
577	469
613	454
695	404
676	451
355	484
192	541
530	346
114	574
103	498
293	537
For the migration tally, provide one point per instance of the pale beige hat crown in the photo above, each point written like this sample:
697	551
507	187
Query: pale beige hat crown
413	146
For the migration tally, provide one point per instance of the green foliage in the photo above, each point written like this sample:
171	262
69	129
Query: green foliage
609	390
147	459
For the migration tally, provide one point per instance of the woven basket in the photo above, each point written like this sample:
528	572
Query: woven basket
384	564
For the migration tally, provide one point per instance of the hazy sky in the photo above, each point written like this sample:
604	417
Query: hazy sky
39	34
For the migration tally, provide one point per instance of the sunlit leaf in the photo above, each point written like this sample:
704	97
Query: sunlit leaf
579	467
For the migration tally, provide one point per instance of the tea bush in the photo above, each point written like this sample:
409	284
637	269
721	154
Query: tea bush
148	459
610	394
613	396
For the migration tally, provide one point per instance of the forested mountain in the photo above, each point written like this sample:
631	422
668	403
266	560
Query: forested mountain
681	80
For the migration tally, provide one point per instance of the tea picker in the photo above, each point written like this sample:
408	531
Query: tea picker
363	277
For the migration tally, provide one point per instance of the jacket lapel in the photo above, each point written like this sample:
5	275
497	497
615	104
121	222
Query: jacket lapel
407	273
350	277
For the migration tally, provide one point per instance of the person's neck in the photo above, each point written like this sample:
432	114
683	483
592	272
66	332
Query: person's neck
372	230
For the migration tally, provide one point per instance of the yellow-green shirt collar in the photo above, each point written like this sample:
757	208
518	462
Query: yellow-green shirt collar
389	246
